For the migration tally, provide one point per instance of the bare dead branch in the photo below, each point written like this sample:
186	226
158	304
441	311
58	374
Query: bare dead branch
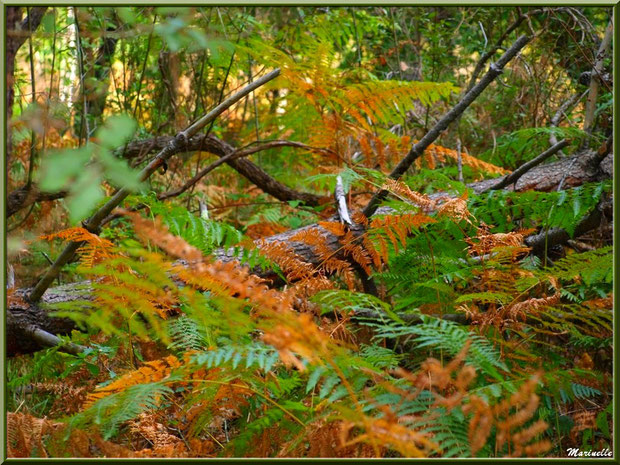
416	151
516	174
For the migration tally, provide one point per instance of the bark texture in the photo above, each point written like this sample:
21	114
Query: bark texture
23	316
256	175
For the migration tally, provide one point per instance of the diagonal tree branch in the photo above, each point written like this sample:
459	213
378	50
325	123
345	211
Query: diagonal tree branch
416	151
230	157
524	168
246	168
94	222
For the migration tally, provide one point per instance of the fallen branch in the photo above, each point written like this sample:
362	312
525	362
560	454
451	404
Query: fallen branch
237	154
246	168
27	195
45	339
20	316
418	149
513	177
94	222
546	239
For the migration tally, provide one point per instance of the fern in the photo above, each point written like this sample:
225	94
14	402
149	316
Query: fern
186	335
249	356
562	209
348	301
450	430
203	234
511	149
112	411
594	266
447	336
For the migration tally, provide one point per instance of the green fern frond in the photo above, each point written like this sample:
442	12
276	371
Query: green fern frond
448	336
112	411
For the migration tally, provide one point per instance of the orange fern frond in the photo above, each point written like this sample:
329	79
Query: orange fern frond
327	255
306	278
484	242
398	226
94	250
456	209
387	431
509	417
231	280
439	153
29	437
360	253
334	227
402	190
298	336
284	256
218	277
151	372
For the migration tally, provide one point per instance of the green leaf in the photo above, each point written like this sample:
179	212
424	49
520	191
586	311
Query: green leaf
85	195
127	15
118	171
116	131
602	422
61	167
48	23
314	377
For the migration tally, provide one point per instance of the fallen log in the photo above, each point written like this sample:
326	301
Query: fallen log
21	315
25	319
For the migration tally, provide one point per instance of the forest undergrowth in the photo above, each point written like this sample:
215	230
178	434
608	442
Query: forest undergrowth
214	313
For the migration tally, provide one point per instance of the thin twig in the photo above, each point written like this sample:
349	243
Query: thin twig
561	113
33	136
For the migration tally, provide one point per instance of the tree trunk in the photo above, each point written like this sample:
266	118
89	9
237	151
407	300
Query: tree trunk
17	31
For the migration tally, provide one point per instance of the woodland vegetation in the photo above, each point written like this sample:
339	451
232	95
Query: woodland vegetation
309	231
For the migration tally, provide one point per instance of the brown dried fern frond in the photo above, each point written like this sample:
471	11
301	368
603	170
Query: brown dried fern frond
397	228
298	336
485	242
387	431
441	154
402	190
327	256
218	277
456	209
510	419
30	437
285	257
449	386
521	310
25	435
163	443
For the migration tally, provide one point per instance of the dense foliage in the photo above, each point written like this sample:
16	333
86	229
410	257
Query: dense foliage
429	329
